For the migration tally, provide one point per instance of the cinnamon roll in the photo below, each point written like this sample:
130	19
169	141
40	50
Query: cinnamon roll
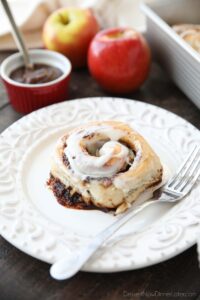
104	165
190	33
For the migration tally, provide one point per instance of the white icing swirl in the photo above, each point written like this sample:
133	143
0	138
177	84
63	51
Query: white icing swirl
96	152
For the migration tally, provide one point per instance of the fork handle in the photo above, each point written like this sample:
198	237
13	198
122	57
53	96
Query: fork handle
67	267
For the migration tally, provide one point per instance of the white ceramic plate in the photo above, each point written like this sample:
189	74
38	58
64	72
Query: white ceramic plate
33	221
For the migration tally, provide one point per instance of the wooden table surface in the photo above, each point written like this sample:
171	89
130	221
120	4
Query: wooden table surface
25	278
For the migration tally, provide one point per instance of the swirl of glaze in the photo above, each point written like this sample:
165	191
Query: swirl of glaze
97	152
104	163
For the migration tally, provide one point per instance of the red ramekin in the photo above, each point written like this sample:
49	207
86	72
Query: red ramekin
28	97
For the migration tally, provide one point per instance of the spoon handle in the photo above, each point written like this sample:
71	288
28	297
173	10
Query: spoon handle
16	34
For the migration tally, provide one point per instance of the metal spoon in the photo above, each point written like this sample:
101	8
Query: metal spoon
17	36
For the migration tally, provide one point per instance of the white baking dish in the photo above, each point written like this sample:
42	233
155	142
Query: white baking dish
180	60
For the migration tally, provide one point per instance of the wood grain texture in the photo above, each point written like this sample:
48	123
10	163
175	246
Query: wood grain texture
25	278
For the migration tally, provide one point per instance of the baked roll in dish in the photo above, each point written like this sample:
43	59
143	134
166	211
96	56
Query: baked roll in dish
189	33
104	165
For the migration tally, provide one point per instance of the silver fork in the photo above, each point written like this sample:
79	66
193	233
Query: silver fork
175	190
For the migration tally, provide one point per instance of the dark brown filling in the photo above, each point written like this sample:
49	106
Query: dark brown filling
40	73
71	199
68	198
66	161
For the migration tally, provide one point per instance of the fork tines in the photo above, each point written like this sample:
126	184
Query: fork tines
187	174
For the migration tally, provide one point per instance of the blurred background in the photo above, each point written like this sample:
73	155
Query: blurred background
31	15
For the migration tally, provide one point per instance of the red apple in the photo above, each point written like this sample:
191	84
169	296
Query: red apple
119	59
70	31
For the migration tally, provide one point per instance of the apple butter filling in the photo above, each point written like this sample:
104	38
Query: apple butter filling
40	73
